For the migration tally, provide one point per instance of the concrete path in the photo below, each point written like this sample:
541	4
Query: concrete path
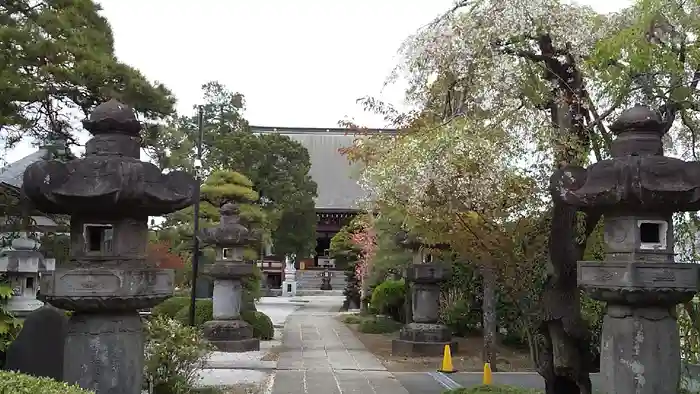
321	356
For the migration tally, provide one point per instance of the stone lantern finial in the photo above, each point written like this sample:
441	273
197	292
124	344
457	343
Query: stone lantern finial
228	332
109	196
637	190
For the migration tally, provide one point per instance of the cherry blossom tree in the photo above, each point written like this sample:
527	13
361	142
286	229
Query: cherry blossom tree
508	92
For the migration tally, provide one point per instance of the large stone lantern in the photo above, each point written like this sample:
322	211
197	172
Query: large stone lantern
637	190
228	332
109	194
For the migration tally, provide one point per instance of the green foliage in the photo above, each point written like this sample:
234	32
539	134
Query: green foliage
379	325
174	353
56	246
388	299
170	307
203	312
352	319
277	166
346	254
496	389
263	328
9	325
462	318
59	57
16	383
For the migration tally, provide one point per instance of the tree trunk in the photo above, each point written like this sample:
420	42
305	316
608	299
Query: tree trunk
489	315
565	359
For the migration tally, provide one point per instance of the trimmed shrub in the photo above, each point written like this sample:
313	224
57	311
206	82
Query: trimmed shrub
203	312
379	326
493	390
17	383
263	328
174	353
170	307
388	299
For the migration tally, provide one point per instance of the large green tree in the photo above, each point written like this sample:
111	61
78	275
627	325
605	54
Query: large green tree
56	61
507	78
277	165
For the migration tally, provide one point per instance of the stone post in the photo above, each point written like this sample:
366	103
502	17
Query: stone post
227	331
24	264
326	279
289	285
637	190
424	336
109	194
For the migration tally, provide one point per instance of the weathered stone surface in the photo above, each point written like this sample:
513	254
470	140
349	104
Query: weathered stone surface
400	347
229	296
38	350
109	195
637	190
224	270
104	353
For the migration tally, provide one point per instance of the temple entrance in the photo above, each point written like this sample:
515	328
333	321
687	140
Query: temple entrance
323	244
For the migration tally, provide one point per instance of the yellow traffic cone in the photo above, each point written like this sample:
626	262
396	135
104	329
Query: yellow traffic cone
488	378
447	361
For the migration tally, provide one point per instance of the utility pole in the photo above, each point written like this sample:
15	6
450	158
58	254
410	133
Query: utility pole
195	240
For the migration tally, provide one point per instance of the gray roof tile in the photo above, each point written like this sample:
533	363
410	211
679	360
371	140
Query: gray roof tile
13	173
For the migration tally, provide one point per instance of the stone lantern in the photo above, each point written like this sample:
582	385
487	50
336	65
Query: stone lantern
326	277
23	265
424	335
109	194
289	285
227	331
637	191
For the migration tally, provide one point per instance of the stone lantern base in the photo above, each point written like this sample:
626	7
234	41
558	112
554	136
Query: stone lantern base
233	336
423	339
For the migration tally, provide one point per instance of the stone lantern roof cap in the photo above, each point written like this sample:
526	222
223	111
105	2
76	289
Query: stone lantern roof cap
638	118
112	117
229	232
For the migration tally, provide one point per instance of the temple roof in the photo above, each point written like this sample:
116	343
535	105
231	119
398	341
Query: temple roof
338	189
12	174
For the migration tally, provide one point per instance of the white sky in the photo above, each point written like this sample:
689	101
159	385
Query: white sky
299	63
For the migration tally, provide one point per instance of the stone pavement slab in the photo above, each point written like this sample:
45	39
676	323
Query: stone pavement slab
320	355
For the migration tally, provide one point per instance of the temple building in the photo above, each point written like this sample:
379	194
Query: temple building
339	194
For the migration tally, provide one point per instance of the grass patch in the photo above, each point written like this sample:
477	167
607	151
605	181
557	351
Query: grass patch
378	326
353	319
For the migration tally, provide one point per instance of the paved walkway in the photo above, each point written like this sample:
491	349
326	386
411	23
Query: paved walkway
321	356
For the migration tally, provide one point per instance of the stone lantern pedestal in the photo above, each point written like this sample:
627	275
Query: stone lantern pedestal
228	332
23	264
424	336
109	195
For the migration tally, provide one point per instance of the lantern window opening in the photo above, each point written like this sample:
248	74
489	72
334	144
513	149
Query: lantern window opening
98	238
29	283
652	234
227	253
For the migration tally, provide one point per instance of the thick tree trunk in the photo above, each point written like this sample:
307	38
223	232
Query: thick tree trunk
489	316
564	361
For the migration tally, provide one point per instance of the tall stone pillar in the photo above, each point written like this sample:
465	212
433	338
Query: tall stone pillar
24	264
227	331
109	194
637	190
425	336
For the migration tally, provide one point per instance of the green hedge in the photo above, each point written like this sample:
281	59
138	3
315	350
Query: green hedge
388	299
203	312
170	307
16	383
261	323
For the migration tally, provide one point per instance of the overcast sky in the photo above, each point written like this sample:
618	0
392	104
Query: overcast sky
298	63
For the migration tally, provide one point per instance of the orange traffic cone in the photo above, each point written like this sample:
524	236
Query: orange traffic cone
446	366
488	378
